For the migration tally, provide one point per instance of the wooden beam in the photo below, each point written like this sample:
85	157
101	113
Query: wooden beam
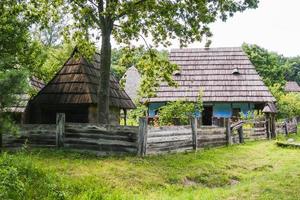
142	136
194	132
228	132
125	117
60	129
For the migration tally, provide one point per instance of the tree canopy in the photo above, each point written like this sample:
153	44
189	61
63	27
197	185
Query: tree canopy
160	20
17	55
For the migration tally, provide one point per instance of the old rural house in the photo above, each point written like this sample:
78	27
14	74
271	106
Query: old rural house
229	82
17	111
132	79
292	86
73	91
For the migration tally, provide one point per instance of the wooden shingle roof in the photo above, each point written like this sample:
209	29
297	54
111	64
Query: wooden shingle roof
77	83
223	74
23	99
292	86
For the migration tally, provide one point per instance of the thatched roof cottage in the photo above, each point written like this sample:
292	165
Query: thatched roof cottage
229	82
73	91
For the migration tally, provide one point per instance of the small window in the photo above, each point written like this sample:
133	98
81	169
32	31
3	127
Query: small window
177	73
235	71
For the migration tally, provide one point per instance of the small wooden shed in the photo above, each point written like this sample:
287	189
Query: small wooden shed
73	91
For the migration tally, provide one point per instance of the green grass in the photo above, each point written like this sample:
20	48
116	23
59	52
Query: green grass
256	170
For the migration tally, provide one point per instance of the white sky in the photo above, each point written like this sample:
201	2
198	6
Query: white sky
274	25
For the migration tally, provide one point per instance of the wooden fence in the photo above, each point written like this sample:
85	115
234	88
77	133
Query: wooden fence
35	135
255	130
142	140
169	139
211	137
286	127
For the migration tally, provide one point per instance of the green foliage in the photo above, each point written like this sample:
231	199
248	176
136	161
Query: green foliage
12	82
179	111
289	105
236	172
55	57
271	67
126	21
252	115
20	179
18	54
134	115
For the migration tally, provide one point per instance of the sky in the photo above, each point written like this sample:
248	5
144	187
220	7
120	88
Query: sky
274	25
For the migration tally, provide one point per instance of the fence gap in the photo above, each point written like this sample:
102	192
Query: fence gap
194	132
60	129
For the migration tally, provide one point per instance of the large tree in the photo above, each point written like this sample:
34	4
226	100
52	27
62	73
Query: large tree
17	54
127	20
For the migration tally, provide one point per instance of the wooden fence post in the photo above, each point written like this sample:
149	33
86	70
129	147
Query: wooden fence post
286	128
142	137
60	129
228	131
241	135
268	127
194	132
1	142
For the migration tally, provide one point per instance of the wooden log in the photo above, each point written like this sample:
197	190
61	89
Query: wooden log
141	135
241	135
169	139
60	129
194	133
170	133
99	142
129	138
228	132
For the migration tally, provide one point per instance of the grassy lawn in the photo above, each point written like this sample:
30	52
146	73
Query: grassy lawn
256	170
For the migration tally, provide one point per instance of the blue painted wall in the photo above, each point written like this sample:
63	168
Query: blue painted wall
219	109
153	107
225	110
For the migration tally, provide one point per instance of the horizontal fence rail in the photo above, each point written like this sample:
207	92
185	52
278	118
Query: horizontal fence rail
169	139
142	140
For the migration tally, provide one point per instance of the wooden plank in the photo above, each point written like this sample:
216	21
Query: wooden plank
141	135
100	142
155	152
169	144
228	131
167	128
101	136
170	133
169	139
194	133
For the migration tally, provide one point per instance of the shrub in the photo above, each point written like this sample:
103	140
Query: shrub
179	111
20	179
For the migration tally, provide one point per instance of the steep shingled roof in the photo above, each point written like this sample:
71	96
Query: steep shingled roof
223	74
292	86
77	83
23	99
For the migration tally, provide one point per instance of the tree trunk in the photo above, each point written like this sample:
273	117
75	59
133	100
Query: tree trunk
103	89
